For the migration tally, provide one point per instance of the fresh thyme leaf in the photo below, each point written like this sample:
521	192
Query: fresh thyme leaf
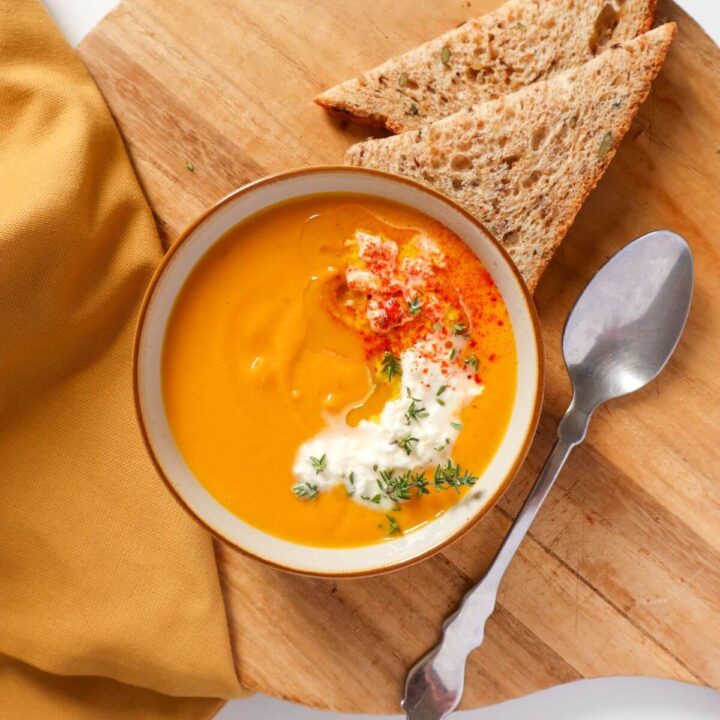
391	366
456	425
319	463
385	477
406	443
445	55
451	476
473	362
190	166
351	477
453	353
393	524
437	327
305	491
441	402
460	329
403	79
415	412
400	487
441	390
415	306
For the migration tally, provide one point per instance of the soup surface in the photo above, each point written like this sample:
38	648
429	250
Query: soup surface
338	370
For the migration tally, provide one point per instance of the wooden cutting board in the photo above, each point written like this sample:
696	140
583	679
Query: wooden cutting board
621	572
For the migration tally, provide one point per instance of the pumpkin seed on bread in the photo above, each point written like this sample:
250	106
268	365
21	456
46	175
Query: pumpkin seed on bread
521	42
523	164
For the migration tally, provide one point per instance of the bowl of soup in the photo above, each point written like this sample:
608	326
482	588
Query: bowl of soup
337	371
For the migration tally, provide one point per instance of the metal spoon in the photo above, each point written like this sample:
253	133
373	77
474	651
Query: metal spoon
619	336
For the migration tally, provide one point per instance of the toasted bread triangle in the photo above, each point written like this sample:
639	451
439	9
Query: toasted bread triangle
524	164
521	42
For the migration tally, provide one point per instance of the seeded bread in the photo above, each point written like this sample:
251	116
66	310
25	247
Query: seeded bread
521	42
523	164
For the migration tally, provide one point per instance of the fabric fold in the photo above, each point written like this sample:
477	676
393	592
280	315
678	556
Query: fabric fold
102	574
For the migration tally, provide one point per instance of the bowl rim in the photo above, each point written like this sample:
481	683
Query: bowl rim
526	297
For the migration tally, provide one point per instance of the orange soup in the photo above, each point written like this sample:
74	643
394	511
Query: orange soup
339	370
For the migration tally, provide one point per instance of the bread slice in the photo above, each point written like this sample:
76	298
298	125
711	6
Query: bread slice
524	164
521	42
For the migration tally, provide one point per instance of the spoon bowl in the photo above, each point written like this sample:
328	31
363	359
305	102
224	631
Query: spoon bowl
627	323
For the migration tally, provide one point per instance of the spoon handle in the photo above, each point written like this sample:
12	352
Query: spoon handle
434	685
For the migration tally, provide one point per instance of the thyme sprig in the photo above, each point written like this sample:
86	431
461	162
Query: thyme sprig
400	487
319	464
391	366
406	443
451	476
415	306
393	526
305	491
416	411
447	476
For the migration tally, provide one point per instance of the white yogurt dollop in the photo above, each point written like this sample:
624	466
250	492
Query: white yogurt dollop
354	456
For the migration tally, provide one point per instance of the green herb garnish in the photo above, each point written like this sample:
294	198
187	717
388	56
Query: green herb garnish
305	491
413	109
403	79
445	55
392	524
415	412
391	366
400	487
453	353
414	306
319	463
406	443
190	166
473	362
460	329
451	476
456	425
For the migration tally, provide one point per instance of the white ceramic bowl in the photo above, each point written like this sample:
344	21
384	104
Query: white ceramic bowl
158	304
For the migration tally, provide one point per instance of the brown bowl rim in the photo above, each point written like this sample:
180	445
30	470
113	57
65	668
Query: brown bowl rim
537	335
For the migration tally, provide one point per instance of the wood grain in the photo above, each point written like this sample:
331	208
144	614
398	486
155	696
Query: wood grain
621	572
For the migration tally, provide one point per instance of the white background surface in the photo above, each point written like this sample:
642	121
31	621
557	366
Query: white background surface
609	699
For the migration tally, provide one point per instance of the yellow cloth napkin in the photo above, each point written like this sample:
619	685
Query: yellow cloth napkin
102	575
